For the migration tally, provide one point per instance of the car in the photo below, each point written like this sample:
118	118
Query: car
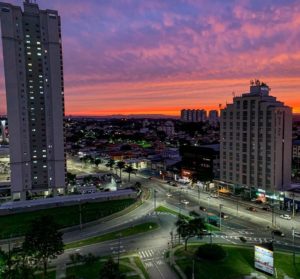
278	233
224	216
185	202
216	196
266	208
202	208
296	234
285	216
169	195
251	208
173	184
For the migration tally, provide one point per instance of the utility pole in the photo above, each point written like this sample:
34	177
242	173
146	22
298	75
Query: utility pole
80	215
237	207
198	195
293	195
221	205
154	199
193	276
119	250
294	252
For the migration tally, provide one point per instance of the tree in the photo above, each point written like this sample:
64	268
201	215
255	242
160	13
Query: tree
120	166
110	164
97	162
129	170
187	228
71	178
16	264
43	241
110	270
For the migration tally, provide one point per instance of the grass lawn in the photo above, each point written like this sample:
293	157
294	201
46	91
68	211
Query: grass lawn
239	262
161	208
17	224
91	271
167	210
50	275
141	228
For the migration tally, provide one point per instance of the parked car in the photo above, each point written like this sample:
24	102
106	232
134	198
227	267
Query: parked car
185	202
224	216
296	234
202	208
285	216
278	233
266	208
251	208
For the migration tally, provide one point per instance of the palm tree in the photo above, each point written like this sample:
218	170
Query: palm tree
129	170
120	166
110	164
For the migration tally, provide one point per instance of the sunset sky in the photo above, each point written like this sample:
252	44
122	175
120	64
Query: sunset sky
159	56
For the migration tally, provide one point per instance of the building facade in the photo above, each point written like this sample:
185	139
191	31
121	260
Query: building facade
256	141
193	115
33	68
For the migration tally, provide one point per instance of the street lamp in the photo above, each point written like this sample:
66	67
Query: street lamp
154	198
221	205
294	254
208	199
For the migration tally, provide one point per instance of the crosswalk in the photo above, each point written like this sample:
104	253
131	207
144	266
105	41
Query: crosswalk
233	238
151	254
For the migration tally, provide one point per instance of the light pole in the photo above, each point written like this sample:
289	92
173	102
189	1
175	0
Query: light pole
294	253
208	199
221	205
180	193
80	215
293	195
154	199
119	250
237	207
198	195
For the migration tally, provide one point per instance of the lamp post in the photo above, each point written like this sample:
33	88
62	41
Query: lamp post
294	253
221	205
293	195
198	195
208	199
154	199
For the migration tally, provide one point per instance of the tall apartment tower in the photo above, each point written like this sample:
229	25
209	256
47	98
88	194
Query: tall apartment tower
256	138
33	68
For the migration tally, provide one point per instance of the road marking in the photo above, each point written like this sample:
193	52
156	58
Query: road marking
148	264
159	262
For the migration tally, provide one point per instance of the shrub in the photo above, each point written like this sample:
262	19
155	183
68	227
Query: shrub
210	252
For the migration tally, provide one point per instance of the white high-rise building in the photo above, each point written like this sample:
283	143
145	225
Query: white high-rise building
256	138
2	130
33	67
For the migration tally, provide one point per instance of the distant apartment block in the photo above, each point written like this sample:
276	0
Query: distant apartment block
35	98
256	141
193	115
213	117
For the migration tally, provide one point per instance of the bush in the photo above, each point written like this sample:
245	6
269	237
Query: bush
210	252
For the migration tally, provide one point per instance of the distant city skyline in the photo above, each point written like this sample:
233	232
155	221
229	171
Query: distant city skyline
157	57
